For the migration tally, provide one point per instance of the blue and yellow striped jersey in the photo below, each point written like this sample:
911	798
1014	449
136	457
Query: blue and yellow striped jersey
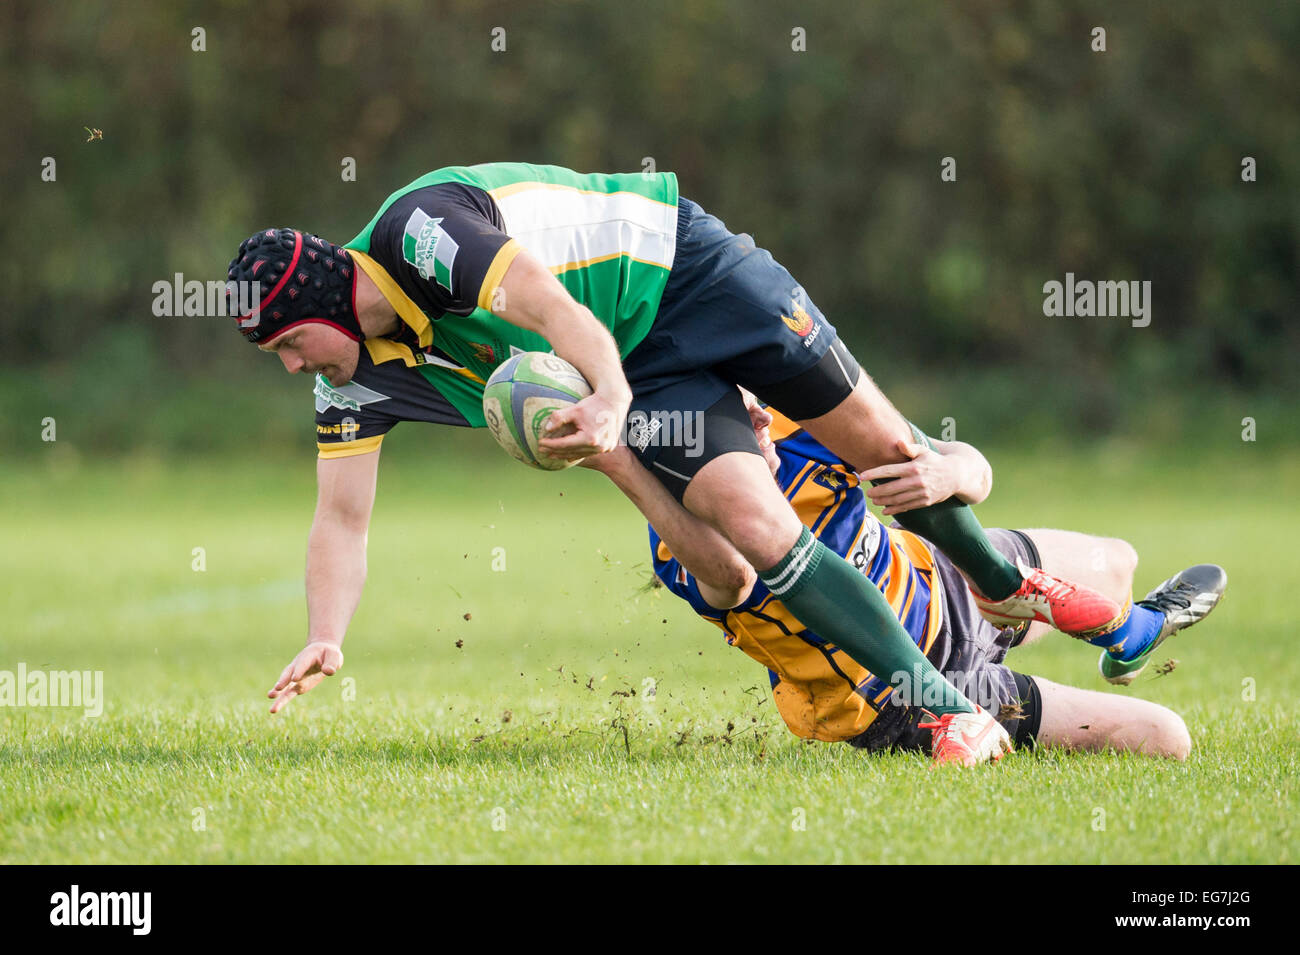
820	692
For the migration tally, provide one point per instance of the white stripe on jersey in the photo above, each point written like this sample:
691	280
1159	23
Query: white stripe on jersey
567	228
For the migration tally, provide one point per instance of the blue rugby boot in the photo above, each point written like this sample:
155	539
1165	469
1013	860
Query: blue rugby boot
1184	599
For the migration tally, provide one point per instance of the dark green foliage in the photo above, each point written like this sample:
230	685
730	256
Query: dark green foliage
1117	165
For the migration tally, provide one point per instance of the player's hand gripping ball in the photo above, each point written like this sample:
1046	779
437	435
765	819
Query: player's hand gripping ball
520	396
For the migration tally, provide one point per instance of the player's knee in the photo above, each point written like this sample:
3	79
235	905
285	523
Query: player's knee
763	539
1121	564
763	534
1119	561
1171	737
737	583
1180	739
737	577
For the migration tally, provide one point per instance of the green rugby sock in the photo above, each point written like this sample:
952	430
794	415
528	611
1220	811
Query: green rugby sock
834	599
953	528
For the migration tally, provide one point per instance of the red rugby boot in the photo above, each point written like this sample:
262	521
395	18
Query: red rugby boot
967	739
1071	608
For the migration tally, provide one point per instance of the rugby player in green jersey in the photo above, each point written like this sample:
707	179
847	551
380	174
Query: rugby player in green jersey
665	312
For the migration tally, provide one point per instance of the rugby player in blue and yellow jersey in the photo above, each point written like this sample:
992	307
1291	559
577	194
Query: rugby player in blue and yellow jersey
664	311
823	694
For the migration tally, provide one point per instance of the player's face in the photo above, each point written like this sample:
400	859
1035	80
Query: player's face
315	347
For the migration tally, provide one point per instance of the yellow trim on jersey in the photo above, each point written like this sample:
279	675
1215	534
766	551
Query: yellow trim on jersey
516	187
824	519
570	266
433	361
583	263
496	272
406	309
466	373
346	449
385	349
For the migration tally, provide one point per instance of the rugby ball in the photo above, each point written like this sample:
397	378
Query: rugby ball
520	396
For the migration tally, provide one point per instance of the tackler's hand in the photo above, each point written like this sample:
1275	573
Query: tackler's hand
926	478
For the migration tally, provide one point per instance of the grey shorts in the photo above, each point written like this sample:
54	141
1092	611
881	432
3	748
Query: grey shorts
969	651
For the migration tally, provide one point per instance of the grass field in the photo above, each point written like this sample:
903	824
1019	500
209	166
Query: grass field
502	716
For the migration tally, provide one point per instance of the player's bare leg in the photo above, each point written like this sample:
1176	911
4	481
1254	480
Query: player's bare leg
734	492
1091	721
864	429
1106	564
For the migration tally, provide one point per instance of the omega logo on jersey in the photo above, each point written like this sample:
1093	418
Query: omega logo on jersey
349	397
427	246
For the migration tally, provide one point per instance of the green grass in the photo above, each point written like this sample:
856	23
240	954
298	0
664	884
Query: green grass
97	566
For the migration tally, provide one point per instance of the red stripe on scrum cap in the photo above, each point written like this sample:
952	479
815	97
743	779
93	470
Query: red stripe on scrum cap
355	282
288	272
304	321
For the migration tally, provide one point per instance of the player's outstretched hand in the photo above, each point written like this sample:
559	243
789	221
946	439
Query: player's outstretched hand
926	478
591	426
313	663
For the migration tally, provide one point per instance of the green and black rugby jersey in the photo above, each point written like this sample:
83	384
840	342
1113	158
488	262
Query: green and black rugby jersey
438	248
353	418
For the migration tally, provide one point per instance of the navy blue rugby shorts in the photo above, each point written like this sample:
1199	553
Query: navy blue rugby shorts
730	315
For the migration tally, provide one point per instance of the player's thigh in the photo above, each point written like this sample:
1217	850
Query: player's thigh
731	309
736	494
1087	720
864	428
1104	563
710	461
788	354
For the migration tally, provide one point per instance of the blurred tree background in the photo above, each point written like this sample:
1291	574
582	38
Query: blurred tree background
1116	165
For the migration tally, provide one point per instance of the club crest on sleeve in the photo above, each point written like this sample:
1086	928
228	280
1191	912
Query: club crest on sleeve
802	323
